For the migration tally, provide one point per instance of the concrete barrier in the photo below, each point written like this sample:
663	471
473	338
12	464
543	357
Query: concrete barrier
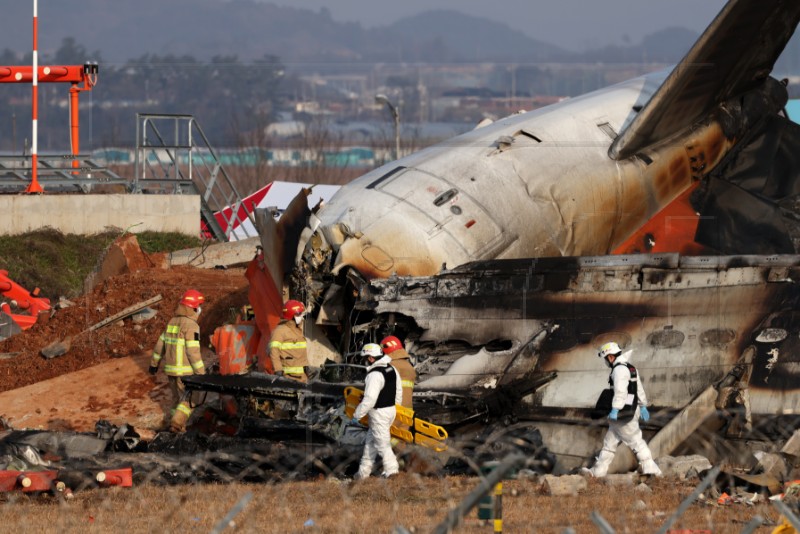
218	254
92	214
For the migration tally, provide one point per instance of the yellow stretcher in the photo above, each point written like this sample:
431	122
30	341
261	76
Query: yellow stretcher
406	427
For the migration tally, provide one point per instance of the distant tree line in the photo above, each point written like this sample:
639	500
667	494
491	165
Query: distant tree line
228	97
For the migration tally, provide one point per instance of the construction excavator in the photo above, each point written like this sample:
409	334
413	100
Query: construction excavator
20	308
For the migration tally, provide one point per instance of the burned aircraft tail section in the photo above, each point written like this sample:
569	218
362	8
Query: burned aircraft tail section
751	203
734	56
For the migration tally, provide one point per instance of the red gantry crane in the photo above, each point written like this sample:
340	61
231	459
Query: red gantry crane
86	74
82	77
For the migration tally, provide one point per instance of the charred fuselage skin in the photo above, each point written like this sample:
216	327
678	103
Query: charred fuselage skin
689	320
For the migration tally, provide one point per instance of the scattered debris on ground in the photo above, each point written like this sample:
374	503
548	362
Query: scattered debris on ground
225	290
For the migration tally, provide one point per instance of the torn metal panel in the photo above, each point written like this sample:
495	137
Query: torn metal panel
263	385
68	444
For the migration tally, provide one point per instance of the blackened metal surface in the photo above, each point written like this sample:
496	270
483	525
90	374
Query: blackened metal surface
281	430
688	321
262	385
776	359
751	204
65	444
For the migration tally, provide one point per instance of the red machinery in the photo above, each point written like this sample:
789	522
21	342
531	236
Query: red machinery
47	480
22	299
115	477
73	74
28	481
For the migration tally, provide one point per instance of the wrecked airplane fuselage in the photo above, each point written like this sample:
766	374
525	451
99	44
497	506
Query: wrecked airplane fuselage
503	343
580	178
495	255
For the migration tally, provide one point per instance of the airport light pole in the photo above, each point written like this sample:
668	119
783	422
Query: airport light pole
382	99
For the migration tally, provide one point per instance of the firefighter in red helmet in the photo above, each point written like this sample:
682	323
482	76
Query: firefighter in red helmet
287	346
179	347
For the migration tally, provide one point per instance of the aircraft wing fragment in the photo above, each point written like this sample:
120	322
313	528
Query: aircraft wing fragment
735	54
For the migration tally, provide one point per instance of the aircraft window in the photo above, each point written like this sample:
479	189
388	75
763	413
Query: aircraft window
637	108
456	210
666	339
444	197
385	177
498	345
623	339
607	129
717	337
771	335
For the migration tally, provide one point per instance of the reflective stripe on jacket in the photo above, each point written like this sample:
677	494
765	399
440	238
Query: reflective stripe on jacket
287	348
401	361
179	345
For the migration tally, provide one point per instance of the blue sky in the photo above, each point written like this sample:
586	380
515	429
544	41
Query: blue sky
572	24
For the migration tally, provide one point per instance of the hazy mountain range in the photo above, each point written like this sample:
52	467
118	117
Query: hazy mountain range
303	39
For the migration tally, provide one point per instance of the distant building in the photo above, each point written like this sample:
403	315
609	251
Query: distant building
286	129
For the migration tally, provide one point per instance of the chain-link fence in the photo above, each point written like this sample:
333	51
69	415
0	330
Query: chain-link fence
293	480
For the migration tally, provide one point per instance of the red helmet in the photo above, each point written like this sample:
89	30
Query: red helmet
391	344
193	298
292	309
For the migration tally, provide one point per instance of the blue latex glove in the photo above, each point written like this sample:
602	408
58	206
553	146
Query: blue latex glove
354	421
644	413
613	414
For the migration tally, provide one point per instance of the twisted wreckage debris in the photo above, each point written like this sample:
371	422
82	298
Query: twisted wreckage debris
262	450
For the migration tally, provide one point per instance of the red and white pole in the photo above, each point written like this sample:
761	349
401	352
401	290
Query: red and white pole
34	186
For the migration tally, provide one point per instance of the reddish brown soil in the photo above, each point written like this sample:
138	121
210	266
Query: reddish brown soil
225	290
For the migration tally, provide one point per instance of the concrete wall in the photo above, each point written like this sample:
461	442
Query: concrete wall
217	254
92	214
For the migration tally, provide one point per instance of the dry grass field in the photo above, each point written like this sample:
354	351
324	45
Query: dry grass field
416	503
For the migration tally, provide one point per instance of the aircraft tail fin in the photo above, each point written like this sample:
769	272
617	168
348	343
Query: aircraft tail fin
735	54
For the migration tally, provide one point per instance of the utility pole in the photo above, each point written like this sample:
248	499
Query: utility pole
382	99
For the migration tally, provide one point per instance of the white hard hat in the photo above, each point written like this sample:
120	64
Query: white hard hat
609	348
371	349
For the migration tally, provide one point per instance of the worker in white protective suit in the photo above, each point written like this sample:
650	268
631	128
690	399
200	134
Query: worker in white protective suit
629	402
382	390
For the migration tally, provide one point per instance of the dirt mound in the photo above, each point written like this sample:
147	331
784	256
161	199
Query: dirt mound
225	290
